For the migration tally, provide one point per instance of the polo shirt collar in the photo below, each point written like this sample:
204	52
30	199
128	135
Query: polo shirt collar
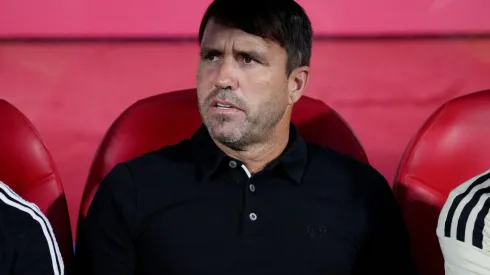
210	158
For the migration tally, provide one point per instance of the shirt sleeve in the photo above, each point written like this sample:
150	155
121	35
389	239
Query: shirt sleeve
386	249
105	241
462	229
463	259
37	253
35	249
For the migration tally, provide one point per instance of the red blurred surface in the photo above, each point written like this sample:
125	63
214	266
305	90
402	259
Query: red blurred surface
385	89
451	148
154	18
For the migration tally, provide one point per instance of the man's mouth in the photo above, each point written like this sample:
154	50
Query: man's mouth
223	106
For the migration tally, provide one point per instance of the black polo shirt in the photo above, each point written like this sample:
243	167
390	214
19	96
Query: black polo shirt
190	209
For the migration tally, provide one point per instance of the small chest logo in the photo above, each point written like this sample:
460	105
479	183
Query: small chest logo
317	231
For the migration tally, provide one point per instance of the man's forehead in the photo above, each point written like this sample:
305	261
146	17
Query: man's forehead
218	36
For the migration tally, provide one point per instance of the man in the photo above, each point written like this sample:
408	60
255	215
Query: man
463	230
246	195
27	243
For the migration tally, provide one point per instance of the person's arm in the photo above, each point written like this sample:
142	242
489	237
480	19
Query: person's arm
463	235
461	258
387	247
105	242
37	252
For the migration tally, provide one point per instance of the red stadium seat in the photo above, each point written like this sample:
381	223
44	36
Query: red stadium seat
452	146
28	169
168	118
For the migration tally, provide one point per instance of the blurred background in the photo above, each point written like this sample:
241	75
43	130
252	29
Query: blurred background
385	65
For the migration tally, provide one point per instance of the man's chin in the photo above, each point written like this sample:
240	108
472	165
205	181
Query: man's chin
222	132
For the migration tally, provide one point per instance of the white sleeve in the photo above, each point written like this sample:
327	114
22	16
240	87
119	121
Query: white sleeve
463	228
463	259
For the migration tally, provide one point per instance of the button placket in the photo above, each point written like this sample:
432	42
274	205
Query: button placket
249	214
253	218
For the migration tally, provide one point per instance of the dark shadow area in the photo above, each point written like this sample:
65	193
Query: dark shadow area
336	133
421	219
59	219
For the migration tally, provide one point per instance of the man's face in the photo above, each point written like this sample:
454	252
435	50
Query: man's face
241	85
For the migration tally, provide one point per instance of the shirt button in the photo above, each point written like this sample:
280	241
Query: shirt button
252	188
232	164
253	216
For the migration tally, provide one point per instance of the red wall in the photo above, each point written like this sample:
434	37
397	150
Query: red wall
161	18
384	88
72	91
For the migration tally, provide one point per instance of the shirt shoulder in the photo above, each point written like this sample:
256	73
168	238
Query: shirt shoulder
155	177
176	154
151	170
17	214
347	176
331	163
465	216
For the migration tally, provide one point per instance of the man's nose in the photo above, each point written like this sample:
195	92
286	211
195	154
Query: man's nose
226	78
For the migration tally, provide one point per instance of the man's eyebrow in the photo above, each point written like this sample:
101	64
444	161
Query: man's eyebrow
254	55
205	51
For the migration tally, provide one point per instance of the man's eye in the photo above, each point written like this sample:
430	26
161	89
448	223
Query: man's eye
211	57
247	59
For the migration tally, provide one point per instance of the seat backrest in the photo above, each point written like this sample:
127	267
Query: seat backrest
166	119
28	169
452	146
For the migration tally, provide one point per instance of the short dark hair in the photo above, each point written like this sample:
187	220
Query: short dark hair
282	21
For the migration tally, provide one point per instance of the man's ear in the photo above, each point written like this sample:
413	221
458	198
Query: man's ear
297	81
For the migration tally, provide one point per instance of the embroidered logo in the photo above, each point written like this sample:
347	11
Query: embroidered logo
316	230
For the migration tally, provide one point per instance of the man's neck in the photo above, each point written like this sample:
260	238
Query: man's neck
257	156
